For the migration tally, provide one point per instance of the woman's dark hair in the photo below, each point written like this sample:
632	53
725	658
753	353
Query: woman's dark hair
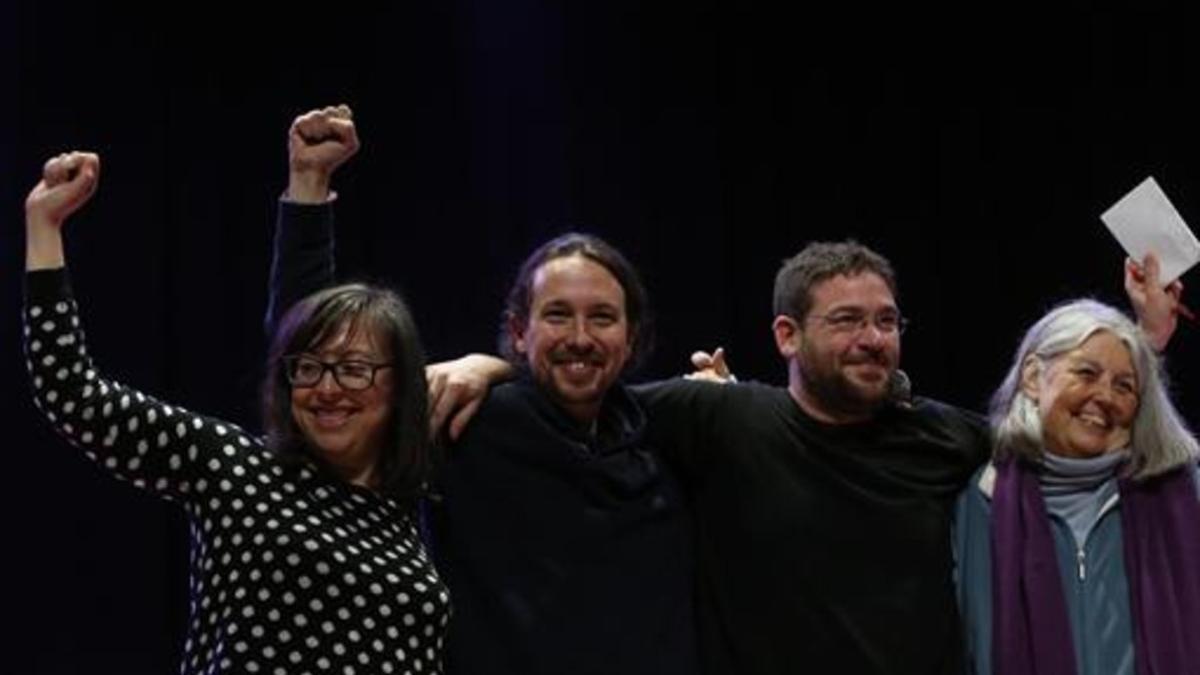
637	303
407	458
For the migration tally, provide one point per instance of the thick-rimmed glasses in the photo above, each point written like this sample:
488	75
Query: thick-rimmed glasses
351	374
849	321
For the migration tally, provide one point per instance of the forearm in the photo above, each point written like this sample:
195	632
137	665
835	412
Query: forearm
156	446
303	257
680	414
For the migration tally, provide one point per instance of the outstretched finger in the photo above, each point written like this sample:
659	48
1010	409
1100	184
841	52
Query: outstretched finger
718	362
1152	270
437	407
463	417
1175	291
1134	271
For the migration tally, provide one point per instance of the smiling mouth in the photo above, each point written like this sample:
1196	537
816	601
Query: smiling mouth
578	371
870	366
577	362
331	418
1094	421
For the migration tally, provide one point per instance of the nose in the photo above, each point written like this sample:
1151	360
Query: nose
579	336
327	385
871	335
1105	394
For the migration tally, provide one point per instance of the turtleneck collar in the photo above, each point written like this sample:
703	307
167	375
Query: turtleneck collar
1060	476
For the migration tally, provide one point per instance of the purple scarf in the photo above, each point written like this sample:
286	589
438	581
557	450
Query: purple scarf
1160	521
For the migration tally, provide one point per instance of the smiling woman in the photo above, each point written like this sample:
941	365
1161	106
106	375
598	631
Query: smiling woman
1086	398
1079	546
346	386
306	556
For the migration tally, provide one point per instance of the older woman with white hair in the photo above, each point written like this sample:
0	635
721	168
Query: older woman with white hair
1079	544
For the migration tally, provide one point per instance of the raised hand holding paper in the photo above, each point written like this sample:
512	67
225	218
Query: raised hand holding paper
1144	221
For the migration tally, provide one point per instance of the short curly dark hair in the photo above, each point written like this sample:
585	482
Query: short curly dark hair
819	261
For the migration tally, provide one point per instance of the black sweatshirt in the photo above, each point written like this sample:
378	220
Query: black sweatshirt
821	548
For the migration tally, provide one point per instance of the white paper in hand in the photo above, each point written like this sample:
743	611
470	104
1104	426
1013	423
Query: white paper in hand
1145	222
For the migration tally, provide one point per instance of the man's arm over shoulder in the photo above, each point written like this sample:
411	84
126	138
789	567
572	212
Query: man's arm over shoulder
971	434
684	416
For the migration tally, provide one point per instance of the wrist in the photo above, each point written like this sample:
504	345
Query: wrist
40	224
1157	336
494	369
308	187
43	244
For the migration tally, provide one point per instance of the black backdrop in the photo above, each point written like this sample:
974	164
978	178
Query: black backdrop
708	143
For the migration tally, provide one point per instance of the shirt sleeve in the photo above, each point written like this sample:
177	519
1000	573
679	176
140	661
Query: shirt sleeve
683	418
302	260
158	447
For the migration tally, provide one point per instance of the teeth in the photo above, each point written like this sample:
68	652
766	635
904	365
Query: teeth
1094	420
331	415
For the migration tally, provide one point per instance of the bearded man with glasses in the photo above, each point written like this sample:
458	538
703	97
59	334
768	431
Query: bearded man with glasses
824	508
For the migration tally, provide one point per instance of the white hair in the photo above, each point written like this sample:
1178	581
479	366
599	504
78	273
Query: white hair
1160	438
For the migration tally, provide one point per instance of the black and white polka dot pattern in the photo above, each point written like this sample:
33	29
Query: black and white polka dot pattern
292	570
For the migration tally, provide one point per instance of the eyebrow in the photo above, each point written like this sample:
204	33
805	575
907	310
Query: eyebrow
861	309
558	303
1131	374
344	354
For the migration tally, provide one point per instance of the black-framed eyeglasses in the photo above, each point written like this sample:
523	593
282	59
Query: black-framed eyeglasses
352	374
849	321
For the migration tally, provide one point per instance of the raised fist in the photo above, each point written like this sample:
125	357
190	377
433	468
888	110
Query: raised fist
68	181
319	141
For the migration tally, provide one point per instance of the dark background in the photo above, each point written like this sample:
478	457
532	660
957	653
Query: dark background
708	143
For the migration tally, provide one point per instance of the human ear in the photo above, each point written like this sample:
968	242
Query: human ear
516	333
787	335
1031	372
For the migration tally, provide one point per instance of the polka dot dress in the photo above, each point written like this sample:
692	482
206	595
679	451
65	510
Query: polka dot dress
292	570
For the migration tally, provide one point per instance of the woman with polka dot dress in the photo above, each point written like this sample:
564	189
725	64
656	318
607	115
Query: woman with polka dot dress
305	555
